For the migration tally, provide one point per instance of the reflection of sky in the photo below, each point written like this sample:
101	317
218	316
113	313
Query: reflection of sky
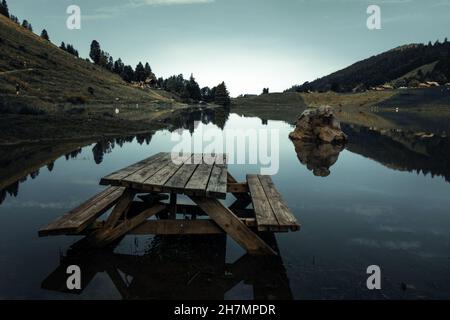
250	44
362	214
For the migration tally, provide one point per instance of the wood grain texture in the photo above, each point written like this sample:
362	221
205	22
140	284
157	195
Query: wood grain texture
233	226
80	218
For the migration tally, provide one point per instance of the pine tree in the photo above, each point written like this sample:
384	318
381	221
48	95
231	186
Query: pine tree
4	8
139	73
222	96
25	24
44	35
95	52
30	27
127	74
148	70
118	66
193	89
63	46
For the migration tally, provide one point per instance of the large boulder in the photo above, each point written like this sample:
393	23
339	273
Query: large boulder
319	125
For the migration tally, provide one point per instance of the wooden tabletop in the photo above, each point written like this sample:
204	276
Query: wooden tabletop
203	175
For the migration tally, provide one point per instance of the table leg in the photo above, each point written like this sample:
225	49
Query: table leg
173	206
233	226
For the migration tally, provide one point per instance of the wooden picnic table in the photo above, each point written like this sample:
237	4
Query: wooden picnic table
205	179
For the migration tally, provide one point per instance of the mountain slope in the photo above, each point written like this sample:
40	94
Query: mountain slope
48	75
387	67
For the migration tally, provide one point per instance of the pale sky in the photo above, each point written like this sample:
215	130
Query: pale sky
249	44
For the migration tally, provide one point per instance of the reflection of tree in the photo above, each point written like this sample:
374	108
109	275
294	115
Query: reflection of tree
147	138
50	166
100	149
187	120
34	174
73	154
12	190
318	158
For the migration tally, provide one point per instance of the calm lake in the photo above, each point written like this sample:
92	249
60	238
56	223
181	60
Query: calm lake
384	201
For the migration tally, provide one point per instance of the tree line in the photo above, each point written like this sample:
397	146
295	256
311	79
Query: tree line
391	67
188	89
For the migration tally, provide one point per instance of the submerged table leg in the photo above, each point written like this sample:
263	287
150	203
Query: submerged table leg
233	226
173	206
106	236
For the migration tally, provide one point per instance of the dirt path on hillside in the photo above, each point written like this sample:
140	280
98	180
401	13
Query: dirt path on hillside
16	71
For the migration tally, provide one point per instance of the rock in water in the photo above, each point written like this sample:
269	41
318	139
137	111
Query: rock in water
319	125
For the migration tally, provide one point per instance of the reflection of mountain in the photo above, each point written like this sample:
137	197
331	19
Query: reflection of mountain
184	268
400	150
188	119
19	162
318	158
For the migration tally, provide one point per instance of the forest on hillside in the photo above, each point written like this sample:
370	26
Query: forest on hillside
388	67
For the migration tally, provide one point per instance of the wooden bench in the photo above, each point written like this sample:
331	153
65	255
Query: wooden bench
81	217
271	212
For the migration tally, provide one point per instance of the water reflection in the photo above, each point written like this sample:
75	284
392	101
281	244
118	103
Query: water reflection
318	158
177	268
402	150
17	163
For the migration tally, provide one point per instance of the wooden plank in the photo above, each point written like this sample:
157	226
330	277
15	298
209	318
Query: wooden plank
125	226
81	217
265	217
180	179
121	209
139	177
233	226
157	181
116	177
237	188
199	181
282	212
217	185
177	227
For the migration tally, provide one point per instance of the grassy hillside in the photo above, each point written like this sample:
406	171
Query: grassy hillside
50	76
400	63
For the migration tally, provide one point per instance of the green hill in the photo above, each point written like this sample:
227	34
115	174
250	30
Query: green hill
49	76
411	62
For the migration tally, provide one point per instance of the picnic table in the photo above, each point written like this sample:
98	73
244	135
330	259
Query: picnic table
204	178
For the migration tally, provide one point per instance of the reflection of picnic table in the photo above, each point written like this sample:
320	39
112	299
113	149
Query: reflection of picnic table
198	270
204	178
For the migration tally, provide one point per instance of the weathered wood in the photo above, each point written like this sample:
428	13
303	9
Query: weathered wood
280	209
157	181
121	208
126	226
180	179
217	185
136	179
81	217
116	177
237	188
233	226
265	216
173	206
177	227
199	181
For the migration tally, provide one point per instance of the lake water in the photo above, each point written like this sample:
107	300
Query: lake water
382	201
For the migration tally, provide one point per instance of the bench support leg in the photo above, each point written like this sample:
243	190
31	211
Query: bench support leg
234	227
107	235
